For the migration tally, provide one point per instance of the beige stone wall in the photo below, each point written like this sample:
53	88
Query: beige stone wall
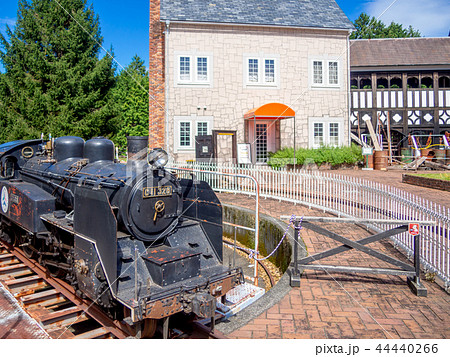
228	98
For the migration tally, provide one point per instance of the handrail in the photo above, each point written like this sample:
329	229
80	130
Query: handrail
256	205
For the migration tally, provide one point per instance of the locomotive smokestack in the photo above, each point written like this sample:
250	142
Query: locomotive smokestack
137	147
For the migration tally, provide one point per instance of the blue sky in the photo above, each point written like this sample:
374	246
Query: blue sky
124	23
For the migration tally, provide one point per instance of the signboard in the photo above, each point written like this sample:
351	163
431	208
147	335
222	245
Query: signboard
414	229
244	154
367	151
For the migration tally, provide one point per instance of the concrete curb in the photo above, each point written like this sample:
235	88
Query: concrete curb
274	295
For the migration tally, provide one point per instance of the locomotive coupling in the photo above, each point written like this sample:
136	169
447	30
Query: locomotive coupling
202	304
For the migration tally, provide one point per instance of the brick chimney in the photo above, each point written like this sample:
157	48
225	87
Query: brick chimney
156	78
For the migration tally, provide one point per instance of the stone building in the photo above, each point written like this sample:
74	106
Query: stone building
270	73
403	87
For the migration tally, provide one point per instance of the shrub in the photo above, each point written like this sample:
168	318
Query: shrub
333	155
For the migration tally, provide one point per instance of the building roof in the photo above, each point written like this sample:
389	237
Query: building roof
289	13
417	51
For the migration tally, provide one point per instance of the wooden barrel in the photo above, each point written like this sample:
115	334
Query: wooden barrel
380	160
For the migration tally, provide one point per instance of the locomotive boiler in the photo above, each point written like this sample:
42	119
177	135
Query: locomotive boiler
137	240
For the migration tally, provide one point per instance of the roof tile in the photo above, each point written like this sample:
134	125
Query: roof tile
289	13
400	52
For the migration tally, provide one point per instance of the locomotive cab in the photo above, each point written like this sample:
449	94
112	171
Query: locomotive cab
8	168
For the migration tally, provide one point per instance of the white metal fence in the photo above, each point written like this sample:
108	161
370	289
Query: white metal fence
347	197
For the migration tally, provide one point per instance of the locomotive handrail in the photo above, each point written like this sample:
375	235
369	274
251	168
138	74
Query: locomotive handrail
256	205
29	172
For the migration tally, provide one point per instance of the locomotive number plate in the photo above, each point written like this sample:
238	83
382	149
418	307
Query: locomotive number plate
156	191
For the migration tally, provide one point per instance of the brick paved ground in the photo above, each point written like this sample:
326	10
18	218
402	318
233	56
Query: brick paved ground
344	305
394	178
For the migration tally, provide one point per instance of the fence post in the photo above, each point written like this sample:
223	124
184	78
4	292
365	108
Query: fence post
295	273
414	283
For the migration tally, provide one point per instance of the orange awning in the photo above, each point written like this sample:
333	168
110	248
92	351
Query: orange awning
270	111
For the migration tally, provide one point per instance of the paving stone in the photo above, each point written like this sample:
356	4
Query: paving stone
338	305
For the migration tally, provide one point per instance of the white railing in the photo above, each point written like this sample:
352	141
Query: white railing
344	196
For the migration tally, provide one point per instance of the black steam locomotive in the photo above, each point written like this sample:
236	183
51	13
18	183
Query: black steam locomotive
140	242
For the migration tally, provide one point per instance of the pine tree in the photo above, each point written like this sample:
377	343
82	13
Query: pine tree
369	27
131	97
54	81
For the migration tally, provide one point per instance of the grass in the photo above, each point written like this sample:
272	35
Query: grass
437	176
332	155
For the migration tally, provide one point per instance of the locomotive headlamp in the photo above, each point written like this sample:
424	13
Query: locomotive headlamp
157	158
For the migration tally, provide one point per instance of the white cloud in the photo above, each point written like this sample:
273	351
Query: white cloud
430	17
8	21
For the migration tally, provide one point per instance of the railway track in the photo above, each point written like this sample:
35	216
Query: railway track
52	302
62	314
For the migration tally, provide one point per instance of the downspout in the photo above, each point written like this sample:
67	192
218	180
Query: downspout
166	80
349	99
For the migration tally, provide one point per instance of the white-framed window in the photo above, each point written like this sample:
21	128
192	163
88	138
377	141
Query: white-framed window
261	70
333	134
185	69
333	73
317	72
326	131
193	69
202	69
318	134
203	128
185	134
325	73
186	128
253	70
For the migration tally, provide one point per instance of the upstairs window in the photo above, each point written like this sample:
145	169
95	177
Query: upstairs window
185	68
253	69
202	69
333	74
325	73
193	70
318	72
261	71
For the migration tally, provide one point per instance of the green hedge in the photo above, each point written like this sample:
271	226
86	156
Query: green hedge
333	155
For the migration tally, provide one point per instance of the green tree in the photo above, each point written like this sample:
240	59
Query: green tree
369	27
54	81
131	98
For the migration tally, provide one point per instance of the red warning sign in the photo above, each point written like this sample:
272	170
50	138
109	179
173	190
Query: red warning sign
414	229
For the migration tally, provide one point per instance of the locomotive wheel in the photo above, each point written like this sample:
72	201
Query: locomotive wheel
149	328
21	242
55	272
